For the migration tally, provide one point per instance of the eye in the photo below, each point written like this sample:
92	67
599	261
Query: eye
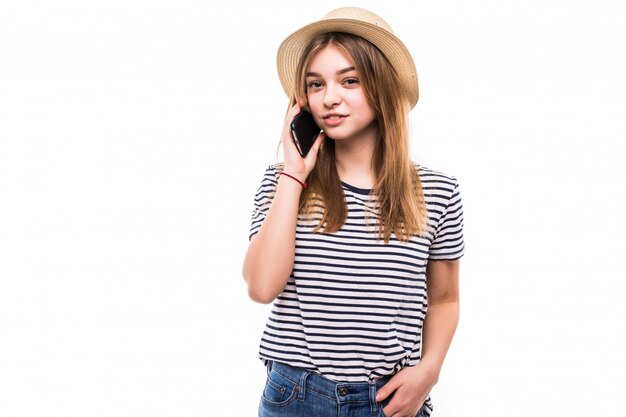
314	84
351	81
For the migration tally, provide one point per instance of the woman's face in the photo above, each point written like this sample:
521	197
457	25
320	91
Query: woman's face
336	97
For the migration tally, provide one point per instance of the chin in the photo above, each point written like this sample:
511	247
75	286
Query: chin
336	135
341	137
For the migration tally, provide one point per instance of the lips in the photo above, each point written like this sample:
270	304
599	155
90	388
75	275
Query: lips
334	119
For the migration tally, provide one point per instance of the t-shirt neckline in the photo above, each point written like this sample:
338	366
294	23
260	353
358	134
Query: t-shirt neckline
364	191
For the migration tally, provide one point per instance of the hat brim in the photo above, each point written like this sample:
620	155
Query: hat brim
393	49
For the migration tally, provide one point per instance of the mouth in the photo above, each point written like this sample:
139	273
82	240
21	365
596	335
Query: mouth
334	119
333	116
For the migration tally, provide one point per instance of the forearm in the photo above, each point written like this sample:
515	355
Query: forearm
269	259
439	327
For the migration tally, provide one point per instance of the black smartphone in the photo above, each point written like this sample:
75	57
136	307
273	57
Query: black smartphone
304	131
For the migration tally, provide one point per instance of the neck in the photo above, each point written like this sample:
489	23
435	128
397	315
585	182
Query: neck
353	159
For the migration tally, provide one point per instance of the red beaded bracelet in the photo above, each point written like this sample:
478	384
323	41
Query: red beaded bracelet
303	184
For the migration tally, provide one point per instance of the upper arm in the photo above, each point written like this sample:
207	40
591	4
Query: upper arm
443	281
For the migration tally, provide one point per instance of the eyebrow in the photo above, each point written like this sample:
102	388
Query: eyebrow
342	71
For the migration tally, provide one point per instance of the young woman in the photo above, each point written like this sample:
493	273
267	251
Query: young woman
355	242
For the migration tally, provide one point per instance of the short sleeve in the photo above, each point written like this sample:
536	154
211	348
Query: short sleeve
263	199
448	243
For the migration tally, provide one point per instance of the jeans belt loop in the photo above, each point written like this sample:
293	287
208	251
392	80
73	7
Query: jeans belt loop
373	404
302	385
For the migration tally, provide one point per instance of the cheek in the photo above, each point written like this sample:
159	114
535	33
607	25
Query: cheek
365	110
312	98
358	100
315	104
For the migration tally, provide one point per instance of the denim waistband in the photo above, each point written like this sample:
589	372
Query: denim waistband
343	392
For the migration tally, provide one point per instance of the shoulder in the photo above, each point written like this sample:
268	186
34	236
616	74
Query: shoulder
433	178
272	171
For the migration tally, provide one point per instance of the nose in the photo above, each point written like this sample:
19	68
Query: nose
332	97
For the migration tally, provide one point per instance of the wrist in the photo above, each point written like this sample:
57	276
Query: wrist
288	183
297	178
431	366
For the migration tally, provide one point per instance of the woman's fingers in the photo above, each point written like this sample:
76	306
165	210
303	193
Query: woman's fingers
312	155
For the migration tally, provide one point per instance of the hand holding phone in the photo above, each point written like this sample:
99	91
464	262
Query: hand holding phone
304	131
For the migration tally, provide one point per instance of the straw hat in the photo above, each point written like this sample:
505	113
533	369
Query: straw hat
359	22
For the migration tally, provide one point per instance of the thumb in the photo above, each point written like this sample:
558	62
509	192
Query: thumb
318	141
316	146
386	390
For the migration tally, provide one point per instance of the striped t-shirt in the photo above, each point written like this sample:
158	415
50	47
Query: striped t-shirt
353	307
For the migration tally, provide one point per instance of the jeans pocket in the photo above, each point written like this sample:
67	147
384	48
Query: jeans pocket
384	404
279	391
420	412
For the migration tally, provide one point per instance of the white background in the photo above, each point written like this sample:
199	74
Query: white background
134	134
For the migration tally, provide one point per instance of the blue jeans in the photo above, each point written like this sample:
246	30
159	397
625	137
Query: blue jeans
298	392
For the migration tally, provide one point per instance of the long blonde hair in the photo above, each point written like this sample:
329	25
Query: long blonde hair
400	201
